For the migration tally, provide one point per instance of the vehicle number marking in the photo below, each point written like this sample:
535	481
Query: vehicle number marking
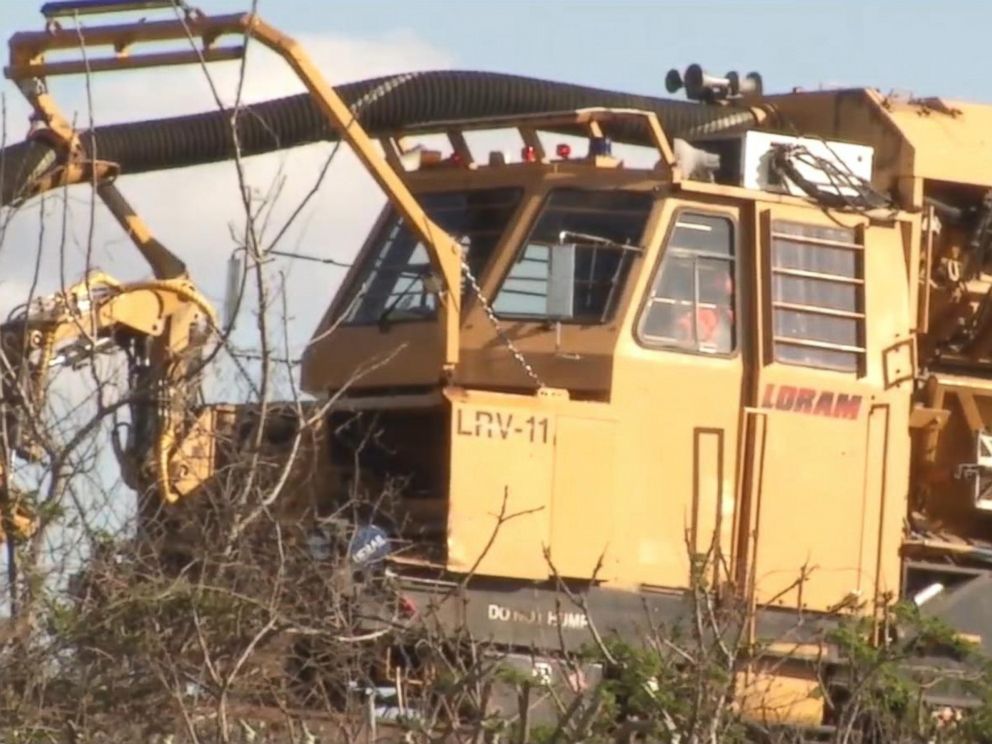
501	425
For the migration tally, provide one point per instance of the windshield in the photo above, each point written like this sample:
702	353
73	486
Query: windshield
397	284
601	224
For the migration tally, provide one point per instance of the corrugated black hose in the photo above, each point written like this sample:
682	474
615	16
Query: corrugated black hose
388	104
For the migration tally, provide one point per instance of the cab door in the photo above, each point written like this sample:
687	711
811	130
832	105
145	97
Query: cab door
677	386
823	512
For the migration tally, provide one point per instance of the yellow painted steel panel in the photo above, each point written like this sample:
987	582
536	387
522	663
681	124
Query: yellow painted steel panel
584	500
811	505
502	457
775	698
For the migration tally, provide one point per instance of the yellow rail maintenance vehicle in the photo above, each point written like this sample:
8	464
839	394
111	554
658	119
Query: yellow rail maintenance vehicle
769	345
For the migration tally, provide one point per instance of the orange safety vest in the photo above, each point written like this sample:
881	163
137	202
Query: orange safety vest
707	324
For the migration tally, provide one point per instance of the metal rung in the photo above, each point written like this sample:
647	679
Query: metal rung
828	346
136	62
94	7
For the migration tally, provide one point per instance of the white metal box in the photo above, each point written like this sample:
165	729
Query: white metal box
756	154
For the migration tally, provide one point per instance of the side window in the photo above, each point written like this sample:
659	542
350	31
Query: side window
691	306
606	229
817	296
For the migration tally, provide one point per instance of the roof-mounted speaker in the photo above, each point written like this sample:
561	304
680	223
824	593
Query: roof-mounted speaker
702	86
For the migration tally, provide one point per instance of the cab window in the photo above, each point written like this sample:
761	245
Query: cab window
398	282
817	296
691	304
595	236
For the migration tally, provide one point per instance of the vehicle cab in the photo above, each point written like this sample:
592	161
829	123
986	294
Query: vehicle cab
643	359
514	220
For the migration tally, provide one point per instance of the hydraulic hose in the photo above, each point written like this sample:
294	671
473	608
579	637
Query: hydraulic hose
383	105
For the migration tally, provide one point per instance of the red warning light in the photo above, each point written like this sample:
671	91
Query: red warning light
563	150
528	154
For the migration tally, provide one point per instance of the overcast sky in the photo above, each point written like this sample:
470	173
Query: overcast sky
924	47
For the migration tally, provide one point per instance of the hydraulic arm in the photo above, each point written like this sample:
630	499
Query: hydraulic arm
159	323
198	34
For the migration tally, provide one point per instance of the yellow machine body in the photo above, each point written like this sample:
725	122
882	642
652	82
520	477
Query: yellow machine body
638	446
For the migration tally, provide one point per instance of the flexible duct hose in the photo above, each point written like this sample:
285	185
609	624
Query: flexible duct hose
387	104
